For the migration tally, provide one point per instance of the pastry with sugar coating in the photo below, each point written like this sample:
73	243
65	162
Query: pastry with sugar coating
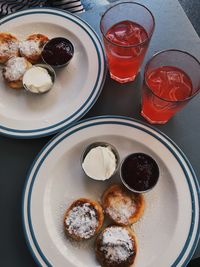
9	46
14	70
121	205
83	219
32	47
116	246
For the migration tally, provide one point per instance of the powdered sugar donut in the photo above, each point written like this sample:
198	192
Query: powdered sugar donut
9	46
121	205
32	47
14	70
83	219
116	246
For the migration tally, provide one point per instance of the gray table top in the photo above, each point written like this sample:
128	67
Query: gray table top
173	30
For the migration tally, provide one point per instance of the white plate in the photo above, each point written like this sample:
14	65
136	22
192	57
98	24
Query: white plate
77	86
167	233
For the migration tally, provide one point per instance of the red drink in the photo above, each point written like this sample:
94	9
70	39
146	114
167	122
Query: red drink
165	92
128	51
126	28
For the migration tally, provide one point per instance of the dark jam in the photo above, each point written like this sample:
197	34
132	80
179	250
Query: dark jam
58	52
140	172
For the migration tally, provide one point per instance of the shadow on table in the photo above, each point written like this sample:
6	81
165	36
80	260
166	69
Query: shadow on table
194	263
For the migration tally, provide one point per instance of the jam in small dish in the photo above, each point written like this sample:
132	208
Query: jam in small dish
58	52
139	172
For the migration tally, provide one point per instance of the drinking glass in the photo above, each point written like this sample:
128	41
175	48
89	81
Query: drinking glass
171	80
126	28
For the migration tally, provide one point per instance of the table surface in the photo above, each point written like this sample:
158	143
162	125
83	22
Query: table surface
173	30
192	9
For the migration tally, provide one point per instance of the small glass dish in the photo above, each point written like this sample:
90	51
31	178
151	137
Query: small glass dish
101	144
50	71
58	52
139	172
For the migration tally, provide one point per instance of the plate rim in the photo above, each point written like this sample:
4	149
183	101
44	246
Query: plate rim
128	122
96	88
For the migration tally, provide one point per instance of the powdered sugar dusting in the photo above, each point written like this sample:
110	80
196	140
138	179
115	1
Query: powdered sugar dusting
30	47
116	244
121	209
82	220
76	246
15	68
9	49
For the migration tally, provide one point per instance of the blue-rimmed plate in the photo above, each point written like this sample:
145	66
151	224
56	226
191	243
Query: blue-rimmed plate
167	233
77	86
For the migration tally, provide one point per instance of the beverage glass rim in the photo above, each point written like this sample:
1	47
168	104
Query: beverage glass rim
162	98
134	45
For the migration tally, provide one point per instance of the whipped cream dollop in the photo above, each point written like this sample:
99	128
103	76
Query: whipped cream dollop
37	80
100	163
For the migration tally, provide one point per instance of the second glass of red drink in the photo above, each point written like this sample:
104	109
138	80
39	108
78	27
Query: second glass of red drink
127	28
171	80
